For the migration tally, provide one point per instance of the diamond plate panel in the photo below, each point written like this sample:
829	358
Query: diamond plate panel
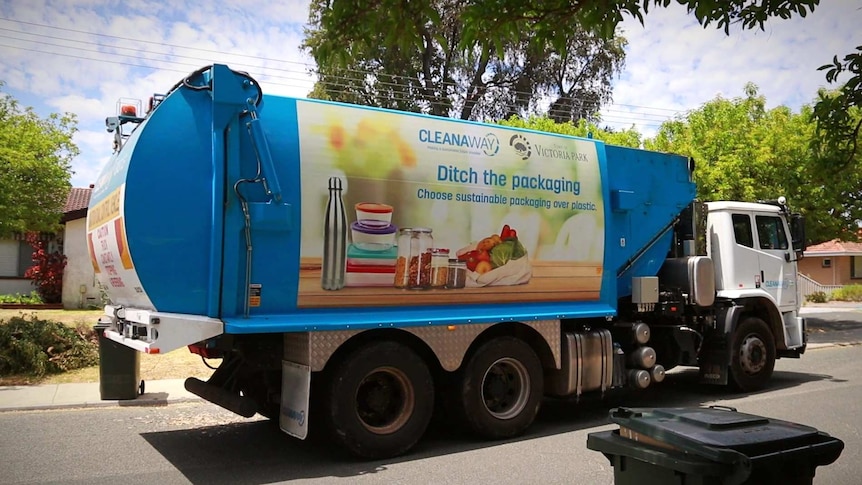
449	343
323	344
296	348
550	331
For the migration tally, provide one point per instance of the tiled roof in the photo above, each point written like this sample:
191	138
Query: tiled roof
834	247
78	199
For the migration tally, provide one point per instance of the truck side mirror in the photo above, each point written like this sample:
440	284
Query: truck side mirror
797	233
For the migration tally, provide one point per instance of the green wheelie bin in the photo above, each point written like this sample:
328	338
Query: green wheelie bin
119	369
711	446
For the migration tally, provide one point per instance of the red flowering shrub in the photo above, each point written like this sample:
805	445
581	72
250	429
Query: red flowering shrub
47	272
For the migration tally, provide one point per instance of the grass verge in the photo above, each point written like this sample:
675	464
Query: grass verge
178	364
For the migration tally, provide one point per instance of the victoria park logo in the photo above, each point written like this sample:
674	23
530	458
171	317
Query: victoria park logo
521	146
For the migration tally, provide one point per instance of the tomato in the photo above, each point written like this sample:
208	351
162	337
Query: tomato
471	258
483	256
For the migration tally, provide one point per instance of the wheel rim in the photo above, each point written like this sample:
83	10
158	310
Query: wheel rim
506	388
752	354
384	400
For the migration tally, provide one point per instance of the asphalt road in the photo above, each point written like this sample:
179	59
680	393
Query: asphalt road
834	325
200	443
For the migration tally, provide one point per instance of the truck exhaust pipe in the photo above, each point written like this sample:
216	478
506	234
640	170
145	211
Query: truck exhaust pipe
233	402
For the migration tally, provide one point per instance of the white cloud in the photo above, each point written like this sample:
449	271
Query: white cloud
672	62
85	108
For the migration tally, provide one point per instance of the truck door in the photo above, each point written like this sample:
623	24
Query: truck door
776	260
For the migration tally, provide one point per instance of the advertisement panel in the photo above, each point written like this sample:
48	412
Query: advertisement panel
109	250
399	209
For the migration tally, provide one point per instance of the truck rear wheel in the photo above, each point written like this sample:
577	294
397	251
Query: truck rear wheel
753	358
500	388
380	399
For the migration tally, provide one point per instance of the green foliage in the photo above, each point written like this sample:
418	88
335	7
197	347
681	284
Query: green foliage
32	299
745	152
848	293
817	297
505	20
839	113
32	346
628	138
413	57
35	167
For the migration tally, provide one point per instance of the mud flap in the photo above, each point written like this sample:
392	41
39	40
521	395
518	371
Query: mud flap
715	355
295	392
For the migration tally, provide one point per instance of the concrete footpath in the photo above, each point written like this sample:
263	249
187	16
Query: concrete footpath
164	392
88	395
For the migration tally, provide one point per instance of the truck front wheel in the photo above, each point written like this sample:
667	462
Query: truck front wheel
380	399
500	388
753	358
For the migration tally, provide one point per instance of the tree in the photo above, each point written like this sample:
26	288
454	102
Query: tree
839	113
503	19
35	167
745	152
627	138
47	270
412	57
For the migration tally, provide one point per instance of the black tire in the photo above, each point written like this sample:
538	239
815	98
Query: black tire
500	388
753	358
379	400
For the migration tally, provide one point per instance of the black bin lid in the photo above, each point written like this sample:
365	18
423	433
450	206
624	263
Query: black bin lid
717	433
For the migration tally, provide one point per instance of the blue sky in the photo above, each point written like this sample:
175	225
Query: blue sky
82	55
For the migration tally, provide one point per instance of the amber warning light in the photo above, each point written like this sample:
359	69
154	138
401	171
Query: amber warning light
128	107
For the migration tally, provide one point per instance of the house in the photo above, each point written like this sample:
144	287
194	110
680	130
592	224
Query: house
833	263
16	256
79	279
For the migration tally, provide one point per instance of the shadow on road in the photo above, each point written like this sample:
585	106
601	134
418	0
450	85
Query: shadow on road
258	452
835	328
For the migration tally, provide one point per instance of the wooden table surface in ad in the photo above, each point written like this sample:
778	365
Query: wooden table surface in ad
550	281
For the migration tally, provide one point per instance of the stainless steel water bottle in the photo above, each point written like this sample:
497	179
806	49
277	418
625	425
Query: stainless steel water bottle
334	239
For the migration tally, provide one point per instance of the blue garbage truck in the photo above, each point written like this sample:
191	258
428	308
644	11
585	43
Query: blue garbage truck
357	270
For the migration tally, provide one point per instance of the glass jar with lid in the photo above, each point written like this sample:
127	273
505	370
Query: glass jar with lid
419	266
402	262
457	277
439	267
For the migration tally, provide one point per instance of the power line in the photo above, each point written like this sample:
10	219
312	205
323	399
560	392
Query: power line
345	82
152	42
449	105
305	64
143	52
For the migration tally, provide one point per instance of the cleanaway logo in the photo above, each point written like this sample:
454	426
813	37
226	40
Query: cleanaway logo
294	415
489	144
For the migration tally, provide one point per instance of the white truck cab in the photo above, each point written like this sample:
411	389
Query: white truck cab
755	247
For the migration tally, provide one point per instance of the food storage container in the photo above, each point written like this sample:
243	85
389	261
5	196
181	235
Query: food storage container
372	211
420	258
372	235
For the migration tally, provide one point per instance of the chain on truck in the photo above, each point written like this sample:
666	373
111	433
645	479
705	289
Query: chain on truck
295	240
